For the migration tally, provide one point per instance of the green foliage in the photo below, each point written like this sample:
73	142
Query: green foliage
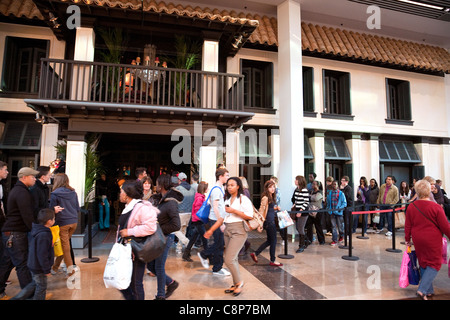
94	168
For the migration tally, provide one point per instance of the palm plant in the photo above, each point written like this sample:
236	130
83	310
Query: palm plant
94	168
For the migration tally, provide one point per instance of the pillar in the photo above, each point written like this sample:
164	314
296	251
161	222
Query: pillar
374	158
232	152
318	149
76	164
354	145
210	62
290	97
84	51
207	165
49	139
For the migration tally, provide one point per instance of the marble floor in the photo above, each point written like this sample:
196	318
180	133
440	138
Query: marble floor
319	273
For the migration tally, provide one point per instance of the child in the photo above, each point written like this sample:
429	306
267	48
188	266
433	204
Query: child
196	222
40	256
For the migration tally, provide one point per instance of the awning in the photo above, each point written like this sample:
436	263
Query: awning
398	151
21	135
336	149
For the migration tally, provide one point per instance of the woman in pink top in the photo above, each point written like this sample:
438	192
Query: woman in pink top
138	219
196	222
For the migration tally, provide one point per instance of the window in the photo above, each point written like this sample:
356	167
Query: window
21	135
336	149
21	68
336	90
308	93
398	100
258	84
398	151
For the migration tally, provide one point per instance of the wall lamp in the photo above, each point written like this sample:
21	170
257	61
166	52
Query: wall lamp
237	42
54	20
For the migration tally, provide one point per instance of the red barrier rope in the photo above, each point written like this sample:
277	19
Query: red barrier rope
377	211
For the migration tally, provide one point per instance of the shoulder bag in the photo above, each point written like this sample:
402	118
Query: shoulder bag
148	248
203	212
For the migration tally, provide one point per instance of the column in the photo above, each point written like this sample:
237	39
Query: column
423	149
207	165
445	166
290	97
49	139
232	152
84	51
210	62
354	145
76	164
375	158
318	148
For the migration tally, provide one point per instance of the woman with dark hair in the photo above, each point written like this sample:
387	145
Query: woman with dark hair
374	190
166	199
138	219
238	208
267	210
301	199
362	196
64	195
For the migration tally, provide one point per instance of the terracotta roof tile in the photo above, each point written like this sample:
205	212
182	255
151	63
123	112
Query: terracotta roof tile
315	38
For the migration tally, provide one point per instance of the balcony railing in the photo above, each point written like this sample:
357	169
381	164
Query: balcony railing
132	84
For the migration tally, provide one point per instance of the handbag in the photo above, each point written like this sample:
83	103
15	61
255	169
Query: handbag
313	207
57	245
400	219
119	267
148	248
444	250
255	223
203	212
284	219
413	270
403	281
376	218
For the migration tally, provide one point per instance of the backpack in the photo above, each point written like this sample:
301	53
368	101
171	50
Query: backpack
203	212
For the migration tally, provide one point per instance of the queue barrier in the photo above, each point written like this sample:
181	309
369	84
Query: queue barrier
350	257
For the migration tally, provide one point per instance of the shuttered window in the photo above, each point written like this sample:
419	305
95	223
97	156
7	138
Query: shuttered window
21	135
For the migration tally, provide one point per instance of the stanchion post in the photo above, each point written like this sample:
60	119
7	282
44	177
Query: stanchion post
90	258
364	222
286	255
350	257
393	235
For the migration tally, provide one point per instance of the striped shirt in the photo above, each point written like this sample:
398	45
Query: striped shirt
301	199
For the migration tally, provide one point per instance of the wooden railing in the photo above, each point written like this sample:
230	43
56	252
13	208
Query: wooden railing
132	84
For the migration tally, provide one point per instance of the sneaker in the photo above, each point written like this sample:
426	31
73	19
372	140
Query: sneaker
388	234
333	243
205	262
222	272
276	264
378	230
341	239
171	288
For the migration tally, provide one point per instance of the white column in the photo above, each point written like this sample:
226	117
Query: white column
375	158
445	166
76	167
210	62
290	97
232	152
423	149
354	145
318	149
49	139
275	153
84	51
207	165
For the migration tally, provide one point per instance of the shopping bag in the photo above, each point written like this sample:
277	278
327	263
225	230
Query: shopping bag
376	218
444	250
413	269
400	219
57	246
403	278
284	219
203	212
119	267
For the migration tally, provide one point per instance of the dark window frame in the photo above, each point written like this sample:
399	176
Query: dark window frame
398	102
258	85
336	95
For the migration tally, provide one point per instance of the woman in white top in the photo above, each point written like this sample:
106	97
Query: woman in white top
237	209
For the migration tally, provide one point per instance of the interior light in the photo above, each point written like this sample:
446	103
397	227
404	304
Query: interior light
422	4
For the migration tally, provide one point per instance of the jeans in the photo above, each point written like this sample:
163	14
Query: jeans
271	241
427	276
35	290
337	225
136	289
356	219
214	251
16	256
199	231
103	222
158	267
385	215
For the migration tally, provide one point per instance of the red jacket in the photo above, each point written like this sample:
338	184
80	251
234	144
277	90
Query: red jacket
198	201
427	238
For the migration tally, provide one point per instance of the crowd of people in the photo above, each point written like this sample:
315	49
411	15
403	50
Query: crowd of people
173	202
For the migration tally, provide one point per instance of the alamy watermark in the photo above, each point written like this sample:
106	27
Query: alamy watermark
374	20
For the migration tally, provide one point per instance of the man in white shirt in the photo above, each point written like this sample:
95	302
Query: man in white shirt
214	252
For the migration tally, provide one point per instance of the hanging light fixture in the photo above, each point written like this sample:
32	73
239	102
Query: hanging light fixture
237	42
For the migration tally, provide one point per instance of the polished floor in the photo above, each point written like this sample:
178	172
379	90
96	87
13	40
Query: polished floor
319	273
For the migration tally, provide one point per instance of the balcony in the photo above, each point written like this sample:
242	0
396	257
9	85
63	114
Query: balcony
96	90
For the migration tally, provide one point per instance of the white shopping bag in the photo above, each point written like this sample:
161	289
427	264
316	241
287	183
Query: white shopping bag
284	219
119	267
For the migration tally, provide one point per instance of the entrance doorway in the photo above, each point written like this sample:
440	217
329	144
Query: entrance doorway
131	151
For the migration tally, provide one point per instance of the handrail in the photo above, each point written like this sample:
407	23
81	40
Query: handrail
86	81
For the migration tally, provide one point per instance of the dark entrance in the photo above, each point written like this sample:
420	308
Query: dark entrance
130	151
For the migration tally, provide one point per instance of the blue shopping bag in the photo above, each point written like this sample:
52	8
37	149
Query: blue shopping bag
413	269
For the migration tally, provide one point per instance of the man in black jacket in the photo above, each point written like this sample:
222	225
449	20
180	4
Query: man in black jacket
15	231
40	190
